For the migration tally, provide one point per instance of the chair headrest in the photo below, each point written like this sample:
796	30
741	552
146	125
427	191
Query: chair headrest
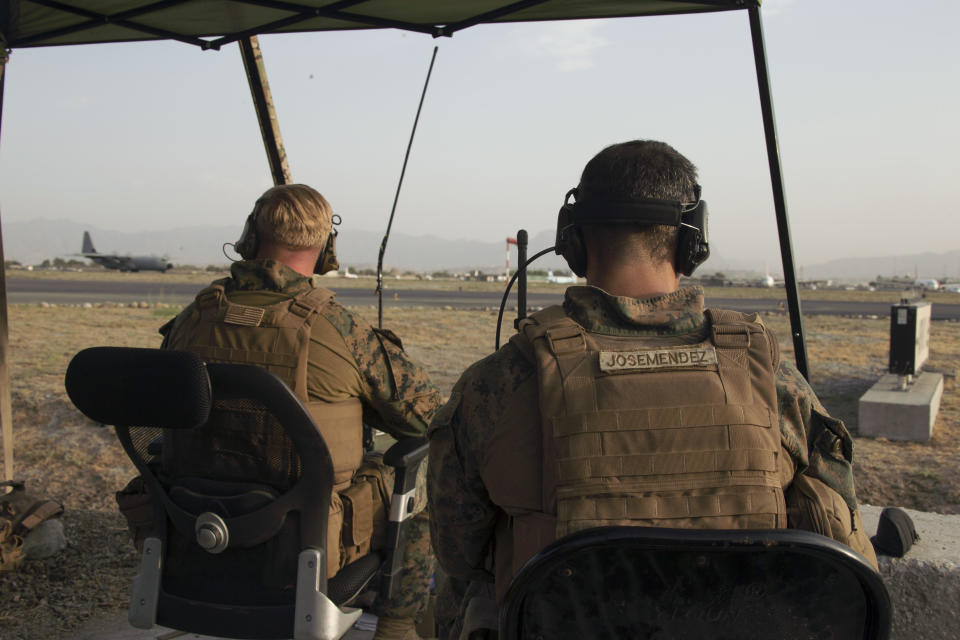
129	387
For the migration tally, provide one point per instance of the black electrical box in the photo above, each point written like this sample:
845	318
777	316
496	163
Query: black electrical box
909	336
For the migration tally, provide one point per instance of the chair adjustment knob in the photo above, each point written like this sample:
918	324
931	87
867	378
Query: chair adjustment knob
212	533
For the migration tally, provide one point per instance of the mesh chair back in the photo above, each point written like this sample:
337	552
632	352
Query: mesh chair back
248	589
630	583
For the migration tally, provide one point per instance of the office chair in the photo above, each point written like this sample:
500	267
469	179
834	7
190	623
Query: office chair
218	561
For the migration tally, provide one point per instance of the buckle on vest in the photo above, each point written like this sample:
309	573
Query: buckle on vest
564	340
730	336
300	309
209	298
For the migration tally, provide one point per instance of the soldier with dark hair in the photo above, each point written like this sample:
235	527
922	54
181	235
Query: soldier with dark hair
630	403
274	312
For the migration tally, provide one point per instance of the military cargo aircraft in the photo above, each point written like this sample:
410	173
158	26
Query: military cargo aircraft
123	263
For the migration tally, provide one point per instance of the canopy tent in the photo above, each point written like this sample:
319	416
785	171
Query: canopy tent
210	24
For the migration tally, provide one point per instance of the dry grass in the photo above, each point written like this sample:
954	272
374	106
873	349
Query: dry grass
64	456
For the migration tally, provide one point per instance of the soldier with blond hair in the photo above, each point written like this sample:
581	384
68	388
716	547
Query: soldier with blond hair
274	312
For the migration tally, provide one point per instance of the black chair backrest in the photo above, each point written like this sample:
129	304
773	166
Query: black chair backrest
140	387
631	583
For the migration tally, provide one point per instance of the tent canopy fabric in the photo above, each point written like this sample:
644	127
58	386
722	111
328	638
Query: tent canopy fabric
210	24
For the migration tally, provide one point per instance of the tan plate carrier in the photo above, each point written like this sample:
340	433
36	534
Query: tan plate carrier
250	446
659	431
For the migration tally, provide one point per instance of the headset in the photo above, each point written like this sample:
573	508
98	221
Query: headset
249	243
693	247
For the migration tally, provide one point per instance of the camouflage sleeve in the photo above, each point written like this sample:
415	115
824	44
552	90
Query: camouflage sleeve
819	444
398	396
462	516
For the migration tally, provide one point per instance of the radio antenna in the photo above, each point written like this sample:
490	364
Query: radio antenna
522	269
393	209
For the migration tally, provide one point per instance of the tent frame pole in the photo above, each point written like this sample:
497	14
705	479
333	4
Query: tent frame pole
6	410
779	197
266	114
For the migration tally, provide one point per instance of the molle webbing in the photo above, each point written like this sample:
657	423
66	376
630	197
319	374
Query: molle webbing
341	424
616	442
666	507
277	338
659	442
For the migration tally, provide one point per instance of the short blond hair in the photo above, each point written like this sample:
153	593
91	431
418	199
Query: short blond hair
294	216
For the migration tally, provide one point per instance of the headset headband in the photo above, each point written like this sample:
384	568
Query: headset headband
591	211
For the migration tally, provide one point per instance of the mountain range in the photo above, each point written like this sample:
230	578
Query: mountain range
33	241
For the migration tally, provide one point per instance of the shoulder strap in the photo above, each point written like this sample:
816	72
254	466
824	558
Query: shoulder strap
733	329
306	307
533	327
210	298
563	338
556	345
307	304
538	323
740	338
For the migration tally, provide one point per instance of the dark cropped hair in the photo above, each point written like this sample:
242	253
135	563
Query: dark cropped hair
639	169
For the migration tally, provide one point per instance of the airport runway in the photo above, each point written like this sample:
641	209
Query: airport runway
33	290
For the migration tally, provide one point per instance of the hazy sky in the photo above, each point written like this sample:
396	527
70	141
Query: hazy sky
146	136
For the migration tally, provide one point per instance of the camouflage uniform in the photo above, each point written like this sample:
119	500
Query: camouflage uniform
350	359
503	386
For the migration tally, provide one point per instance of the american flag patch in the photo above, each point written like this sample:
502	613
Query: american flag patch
244	315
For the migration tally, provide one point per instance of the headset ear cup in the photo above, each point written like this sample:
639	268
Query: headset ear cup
247	245
569	243
576	256
693	246
688	240
328	257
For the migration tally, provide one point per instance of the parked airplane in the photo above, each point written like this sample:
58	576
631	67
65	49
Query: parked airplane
926	283
571	279
123	263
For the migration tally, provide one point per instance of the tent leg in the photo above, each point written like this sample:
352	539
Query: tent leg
779	198
6	412
266	114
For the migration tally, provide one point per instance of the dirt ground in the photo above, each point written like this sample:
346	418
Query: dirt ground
65	457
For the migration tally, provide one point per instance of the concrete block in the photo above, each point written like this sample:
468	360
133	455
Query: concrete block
924	585
886	411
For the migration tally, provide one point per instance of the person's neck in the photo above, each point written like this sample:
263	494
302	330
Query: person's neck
300	260
640	281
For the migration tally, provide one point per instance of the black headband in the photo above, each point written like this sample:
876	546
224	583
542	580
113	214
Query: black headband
589	211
